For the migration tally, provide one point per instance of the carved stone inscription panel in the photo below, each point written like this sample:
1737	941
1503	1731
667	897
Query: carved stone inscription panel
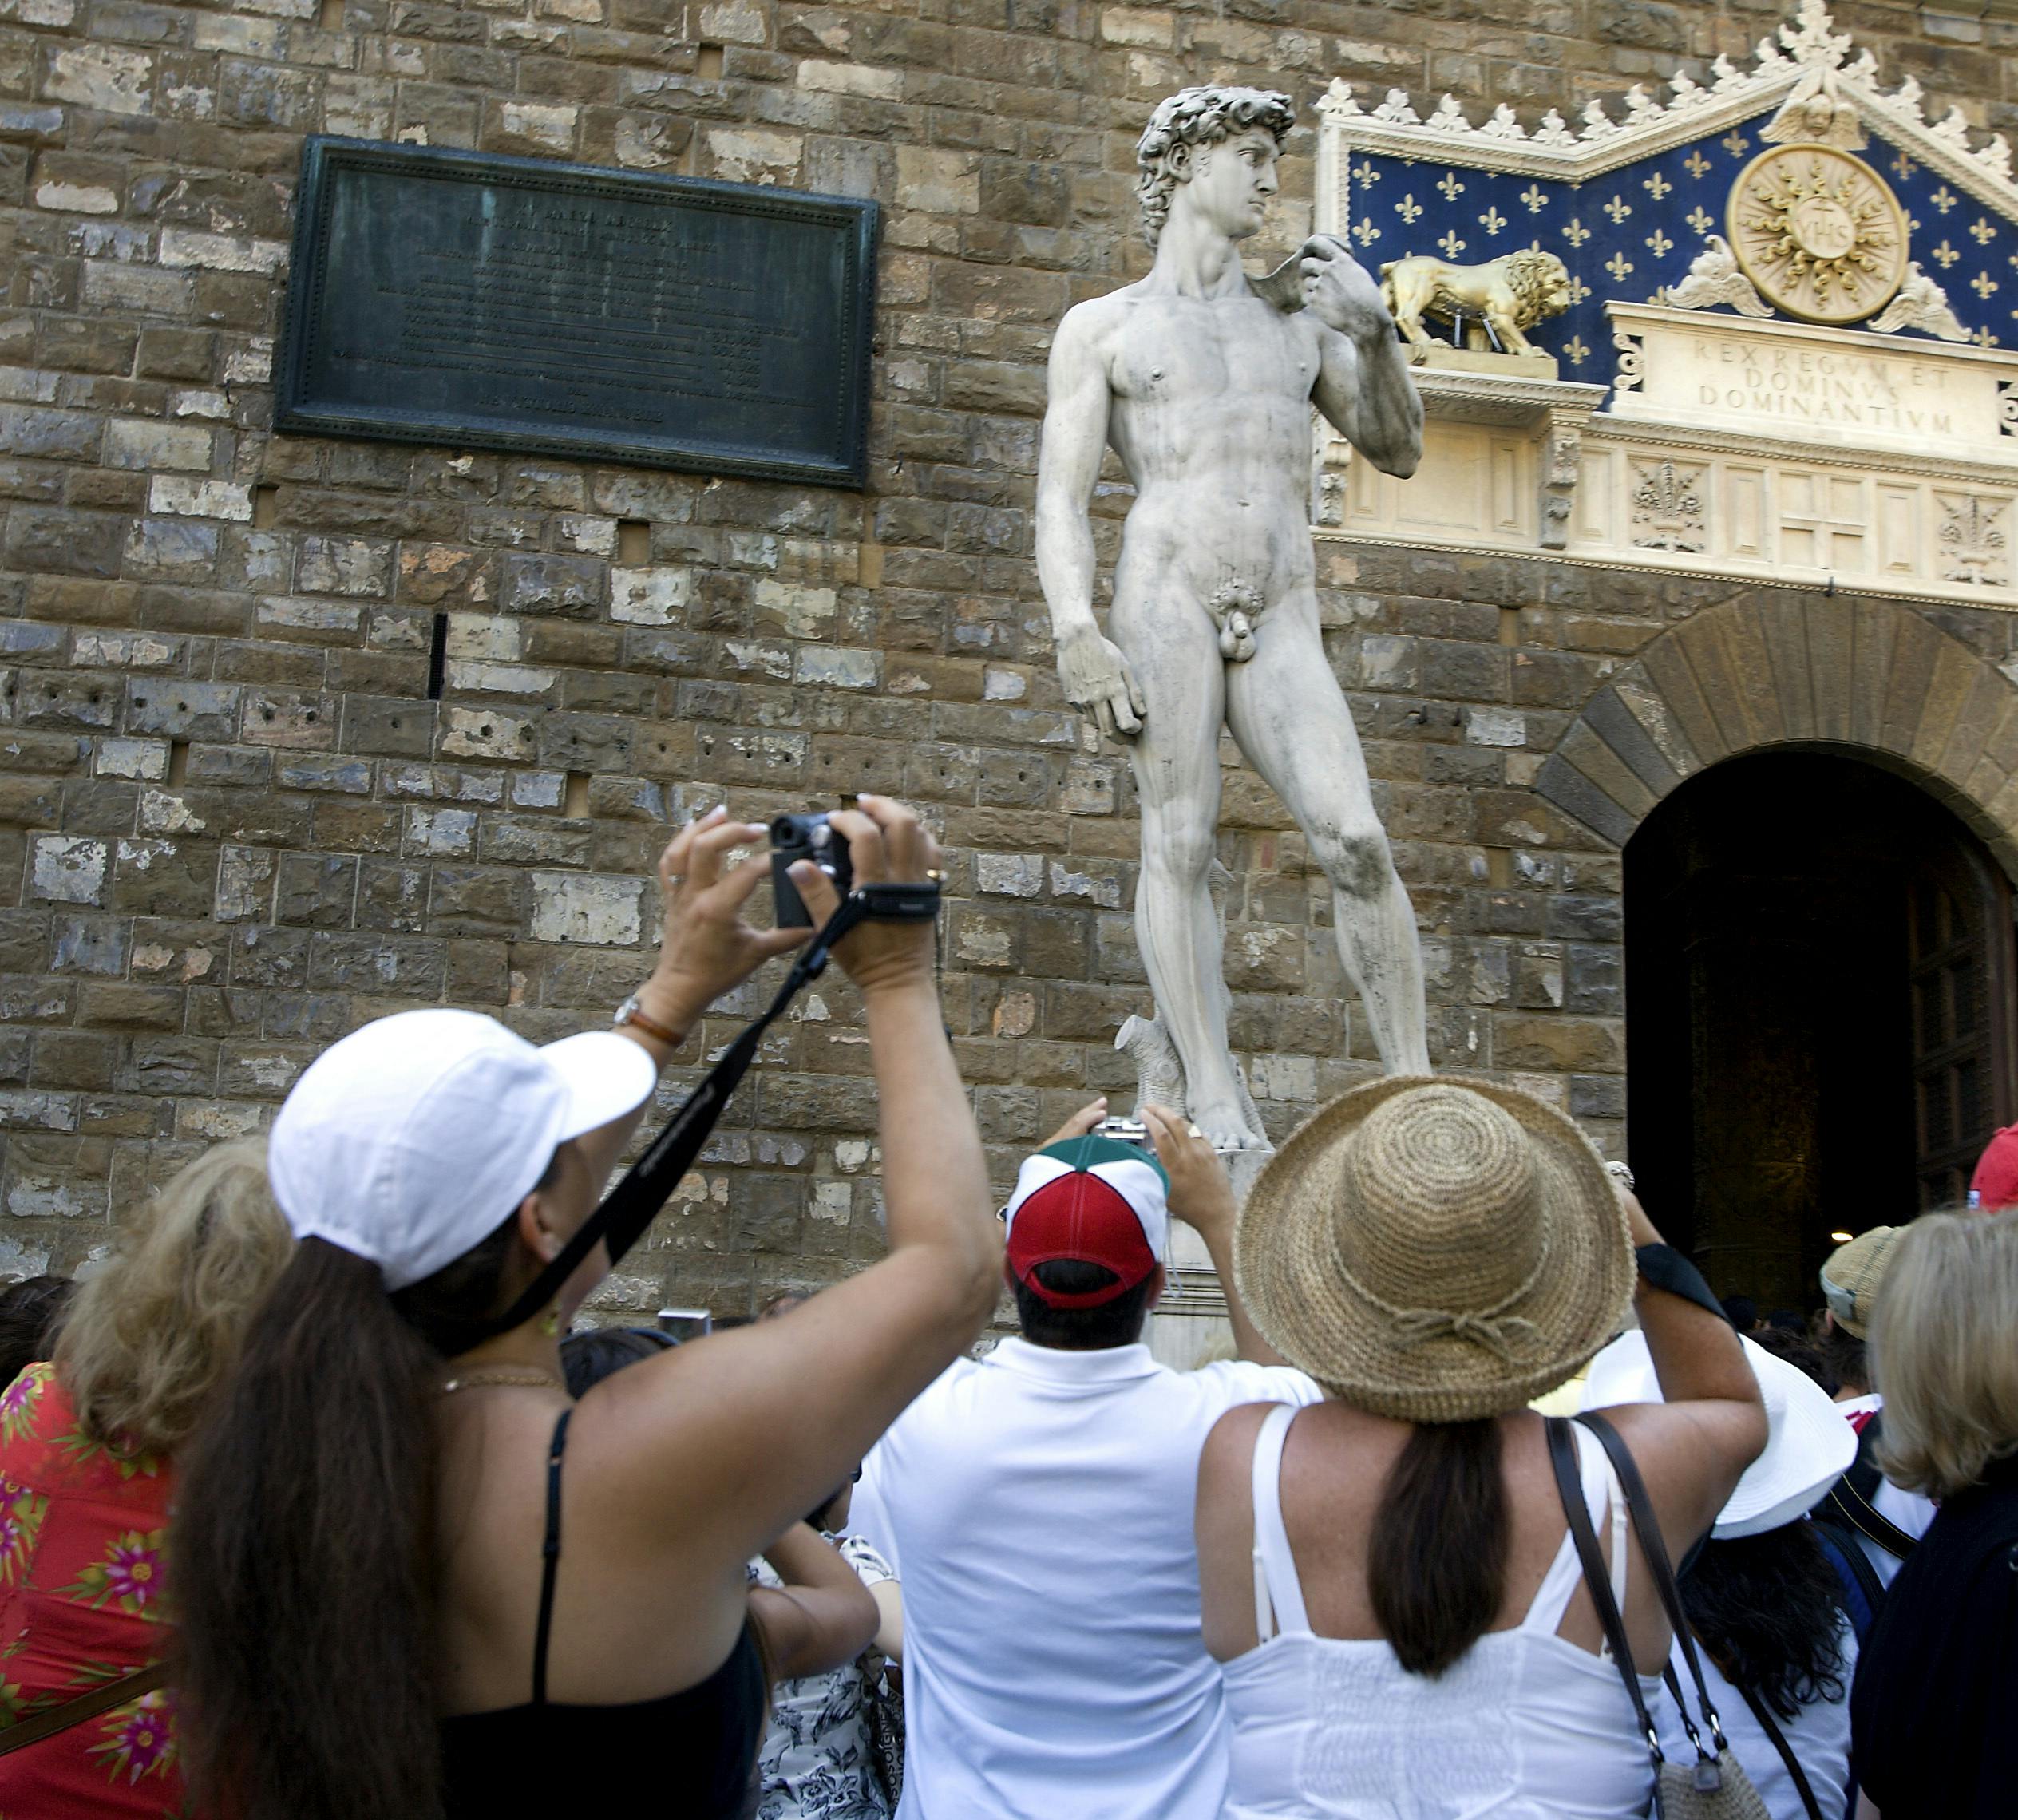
1846	388
447	297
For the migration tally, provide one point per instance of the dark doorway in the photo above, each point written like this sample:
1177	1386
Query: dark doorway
1819	986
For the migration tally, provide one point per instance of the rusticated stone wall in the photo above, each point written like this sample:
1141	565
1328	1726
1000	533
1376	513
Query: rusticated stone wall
233	824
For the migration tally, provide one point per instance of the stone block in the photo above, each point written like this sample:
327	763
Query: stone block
66	869
586	909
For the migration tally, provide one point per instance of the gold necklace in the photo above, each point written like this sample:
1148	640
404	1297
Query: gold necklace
501	1377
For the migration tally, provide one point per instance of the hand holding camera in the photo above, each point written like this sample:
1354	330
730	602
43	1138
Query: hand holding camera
705	946
880	842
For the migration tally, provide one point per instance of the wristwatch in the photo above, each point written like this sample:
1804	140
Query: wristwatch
632	1011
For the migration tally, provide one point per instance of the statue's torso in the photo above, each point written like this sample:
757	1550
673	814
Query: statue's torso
1211	417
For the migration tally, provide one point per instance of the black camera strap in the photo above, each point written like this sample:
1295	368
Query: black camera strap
631	1206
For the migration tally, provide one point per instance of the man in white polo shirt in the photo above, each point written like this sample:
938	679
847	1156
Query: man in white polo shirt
1037	1507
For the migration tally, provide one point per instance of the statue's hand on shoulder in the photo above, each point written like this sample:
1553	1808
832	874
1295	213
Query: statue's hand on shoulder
1341	292
1098	681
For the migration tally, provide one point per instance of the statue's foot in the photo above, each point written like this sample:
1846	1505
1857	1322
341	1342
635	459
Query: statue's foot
1226	1129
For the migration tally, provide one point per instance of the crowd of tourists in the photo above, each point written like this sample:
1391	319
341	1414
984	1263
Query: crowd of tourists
312	1507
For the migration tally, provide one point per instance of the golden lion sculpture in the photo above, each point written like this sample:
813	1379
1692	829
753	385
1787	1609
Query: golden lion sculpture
1510	294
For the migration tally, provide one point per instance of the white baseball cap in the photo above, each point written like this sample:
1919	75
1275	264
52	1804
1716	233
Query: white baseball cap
414	1138
1808	1446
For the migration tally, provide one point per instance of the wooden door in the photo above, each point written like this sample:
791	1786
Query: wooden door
1960	974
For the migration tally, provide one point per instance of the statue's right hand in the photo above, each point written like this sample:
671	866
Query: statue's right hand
1098	681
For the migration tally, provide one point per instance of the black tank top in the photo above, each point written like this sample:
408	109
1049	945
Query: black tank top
692	1753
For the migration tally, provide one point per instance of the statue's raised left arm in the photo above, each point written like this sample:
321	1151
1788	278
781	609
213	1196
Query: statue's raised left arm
1363	384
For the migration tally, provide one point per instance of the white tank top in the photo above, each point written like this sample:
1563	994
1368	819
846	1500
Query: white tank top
1524	1725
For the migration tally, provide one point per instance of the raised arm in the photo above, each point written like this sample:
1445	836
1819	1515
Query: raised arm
1201	1196
1092	669
1364	388
1691	1448
724	1442
822	1615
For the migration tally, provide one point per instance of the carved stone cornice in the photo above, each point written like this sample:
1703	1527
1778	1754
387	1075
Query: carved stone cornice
1690	110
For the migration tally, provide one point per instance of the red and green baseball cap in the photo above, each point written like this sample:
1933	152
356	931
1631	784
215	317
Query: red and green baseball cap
1093	1201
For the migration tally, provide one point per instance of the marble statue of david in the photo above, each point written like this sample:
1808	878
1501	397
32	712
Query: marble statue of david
1203	384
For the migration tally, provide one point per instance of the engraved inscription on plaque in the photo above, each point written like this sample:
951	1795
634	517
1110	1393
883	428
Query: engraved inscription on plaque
504	303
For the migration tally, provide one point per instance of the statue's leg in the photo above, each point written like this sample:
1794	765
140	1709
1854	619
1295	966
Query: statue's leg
1290	717
1173	649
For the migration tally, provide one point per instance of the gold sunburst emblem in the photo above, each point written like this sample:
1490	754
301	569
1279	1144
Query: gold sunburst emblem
1820	232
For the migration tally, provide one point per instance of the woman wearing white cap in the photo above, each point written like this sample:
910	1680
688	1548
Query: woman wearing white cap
1763	1600
382	1557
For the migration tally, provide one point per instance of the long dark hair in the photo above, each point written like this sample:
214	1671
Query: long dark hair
1768	1609
304	1548
1436	1562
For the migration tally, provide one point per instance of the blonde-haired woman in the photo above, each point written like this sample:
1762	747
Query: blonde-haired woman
1937	1680
86	1480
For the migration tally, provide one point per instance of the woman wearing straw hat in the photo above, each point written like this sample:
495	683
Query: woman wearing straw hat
1387	1575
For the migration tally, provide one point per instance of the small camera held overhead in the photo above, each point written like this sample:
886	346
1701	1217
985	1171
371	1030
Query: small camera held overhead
796	837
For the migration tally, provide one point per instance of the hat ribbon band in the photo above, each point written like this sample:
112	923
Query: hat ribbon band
1496	1333
1493	1327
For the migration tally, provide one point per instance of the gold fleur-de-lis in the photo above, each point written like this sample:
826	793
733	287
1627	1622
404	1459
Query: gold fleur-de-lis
1531	195
1368	174
1944	199
1618	208
1696	165
1984	338
1735	144
1700	219
1408	208
1575	349
1913	224
1578	291
1452	246
1452	189
1984	233
1661	243
1656	186
1947	254
1576	233
1492	220
1618	265
1905	166
1365	232
1982	284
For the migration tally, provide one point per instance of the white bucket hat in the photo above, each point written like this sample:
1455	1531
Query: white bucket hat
411	1139
1808	1446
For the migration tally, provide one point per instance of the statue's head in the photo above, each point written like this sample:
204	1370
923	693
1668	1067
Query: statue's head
1189	122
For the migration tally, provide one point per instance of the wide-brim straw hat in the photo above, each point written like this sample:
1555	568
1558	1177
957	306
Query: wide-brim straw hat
1435	1249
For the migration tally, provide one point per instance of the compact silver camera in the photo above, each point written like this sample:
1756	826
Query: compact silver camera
1125	1131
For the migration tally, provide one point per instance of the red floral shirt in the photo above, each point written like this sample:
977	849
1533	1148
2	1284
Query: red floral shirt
82	1601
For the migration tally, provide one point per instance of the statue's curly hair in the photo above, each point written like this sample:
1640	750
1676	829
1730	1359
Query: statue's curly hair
1198	117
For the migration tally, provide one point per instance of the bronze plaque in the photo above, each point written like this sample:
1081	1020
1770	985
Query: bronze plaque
452	297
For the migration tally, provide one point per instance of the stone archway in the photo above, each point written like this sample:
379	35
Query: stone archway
1780	668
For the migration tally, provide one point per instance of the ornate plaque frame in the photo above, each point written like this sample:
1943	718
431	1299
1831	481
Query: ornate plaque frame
568	310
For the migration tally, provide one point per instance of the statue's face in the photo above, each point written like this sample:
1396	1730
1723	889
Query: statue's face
1230	182
1558	298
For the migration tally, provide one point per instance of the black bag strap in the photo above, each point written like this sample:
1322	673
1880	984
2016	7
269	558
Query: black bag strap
631	1206
46	1724
1850	1498
1647	1528
1770	1727
1570	1487
1842	1546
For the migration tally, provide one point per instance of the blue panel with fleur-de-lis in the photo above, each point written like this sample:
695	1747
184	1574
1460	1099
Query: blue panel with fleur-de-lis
1627	234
